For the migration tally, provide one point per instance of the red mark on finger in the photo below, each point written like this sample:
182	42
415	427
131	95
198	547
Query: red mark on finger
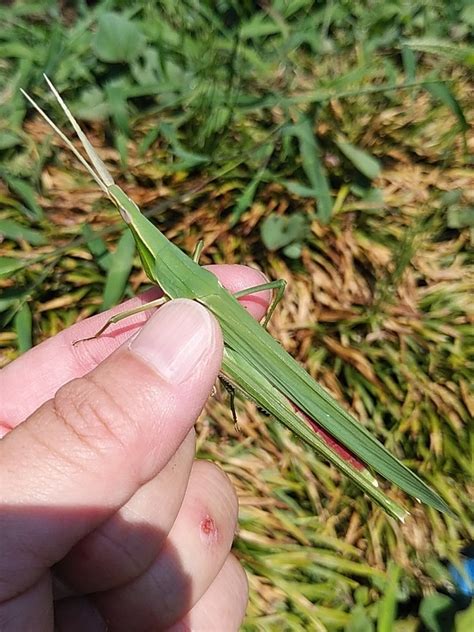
208	529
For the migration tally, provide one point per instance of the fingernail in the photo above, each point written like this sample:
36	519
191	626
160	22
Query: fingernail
175	339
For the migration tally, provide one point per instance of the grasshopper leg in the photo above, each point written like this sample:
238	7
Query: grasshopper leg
278	285
118	317
197	251
231	390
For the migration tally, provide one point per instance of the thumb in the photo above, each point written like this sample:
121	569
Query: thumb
82	455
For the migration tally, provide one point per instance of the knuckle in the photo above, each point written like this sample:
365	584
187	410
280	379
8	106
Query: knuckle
89	411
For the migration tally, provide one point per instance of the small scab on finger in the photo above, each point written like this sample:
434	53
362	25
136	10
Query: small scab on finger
208	530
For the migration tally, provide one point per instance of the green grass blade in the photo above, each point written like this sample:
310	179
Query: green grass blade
10	229
23	323
443	93
388	604
9	265
26	193
361	159
313	166
119	268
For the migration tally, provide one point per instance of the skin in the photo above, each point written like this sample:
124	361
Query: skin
107	520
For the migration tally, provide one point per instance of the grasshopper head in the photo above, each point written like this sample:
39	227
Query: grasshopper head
124	204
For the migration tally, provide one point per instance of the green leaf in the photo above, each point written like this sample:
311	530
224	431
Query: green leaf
8	266
449	198
97	247
190	159
9	229
277	231
359	621
373	196
260	25
409	63
408	624
313	166
247	197
92	105
23	326
117	105
245	200
299	189
361	159
146	70
8	139
387	606
467	15
293	251
26	193
16	49
461	217
120	266
464	619
443	93
118	39
436	612
316	173
122	147
6	303
443	48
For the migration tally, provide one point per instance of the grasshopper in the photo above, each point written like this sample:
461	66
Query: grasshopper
254	363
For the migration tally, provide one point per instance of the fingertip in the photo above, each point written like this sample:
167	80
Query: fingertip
223	605
181	340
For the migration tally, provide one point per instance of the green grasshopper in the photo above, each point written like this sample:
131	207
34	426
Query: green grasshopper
254	363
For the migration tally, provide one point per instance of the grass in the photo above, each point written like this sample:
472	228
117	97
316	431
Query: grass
327	144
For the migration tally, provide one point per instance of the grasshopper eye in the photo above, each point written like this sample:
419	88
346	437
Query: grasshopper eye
125	215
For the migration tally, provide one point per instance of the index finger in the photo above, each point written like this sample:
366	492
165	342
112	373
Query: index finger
37	375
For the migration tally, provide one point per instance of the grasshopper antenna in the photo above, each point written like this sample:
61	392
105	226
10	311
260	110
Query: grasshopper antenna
98	171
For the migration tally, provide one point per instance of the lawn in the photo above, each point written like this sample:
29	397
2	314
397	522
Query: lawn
326	143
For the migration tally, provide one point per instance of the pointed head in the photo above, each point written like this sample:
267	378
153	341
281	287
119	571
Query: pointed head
124	204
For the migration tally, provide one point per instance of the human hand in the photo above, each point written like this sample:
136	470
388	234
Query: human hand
106	520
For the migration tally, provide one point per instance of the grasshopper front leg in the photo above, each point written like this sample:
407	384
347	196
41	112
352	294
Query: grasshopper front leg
129	312
197	251
279	285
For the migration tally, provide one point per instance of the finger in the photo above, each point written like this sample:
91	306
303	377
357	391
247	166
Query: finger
222	607
35	376
15	614
77	614
192	557
82	456
124	546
